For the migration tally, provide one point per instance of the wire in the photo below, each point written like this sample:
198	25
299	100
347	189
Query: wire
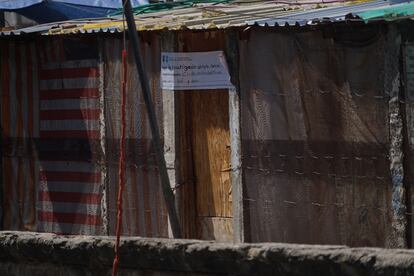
164	6
121	168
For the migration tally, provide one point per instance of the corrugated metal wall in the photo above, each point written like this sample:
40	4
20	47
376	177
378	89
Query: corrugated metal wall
60	122
20	128
315	137
144	211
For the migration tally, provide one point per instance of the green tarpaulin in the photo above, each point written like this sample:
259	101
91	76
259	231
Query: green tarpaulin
389	13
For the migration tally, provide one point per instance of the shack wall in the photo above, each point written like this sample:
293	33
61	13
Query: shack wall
316	137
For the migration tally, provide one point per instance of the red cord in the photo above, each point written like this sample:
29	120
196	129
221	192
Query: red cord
121	168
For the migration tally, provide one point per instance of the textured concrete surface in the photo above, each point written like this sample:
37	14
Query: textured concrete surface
26	253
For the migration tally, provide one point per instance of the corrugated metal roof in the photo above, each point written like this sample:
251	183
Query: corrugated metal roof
206	16
332	14
210	16
37	28
201	16
49	27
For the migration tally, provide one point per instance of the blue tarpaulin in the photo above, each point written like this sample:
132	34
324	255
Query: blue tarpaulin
43	11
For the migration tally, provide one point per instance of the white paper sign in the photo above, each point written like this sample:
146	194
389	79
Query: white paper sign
194	70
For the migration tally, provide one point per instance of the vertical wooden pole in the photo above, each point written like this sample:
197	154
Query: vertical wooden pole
104	200
168	44
392	87
232	54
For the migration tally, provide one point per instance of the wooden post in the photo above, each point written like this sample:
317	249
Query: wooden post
103	165
232	54
168	44
397	238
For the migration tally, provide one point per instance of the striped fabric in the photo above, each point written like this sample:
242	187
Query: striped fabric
69	127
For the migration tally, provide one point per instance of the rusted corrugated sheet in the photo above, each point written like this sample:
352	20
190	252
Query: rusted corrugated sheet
315	138
144	211
60	119
20	128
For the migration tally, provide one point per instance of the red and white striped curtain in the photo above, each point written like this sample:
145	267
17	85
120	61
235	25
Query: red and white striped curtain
69	199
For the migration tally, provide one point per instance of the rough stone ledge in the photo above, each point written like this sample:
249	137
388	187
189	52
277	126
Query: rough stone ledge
95	254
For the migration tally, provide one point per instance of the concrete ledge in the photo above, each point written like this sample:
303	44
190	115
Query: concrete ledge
48	254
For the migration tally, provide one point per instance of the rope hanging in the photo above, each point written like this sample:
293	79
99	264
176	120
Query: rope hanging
121	168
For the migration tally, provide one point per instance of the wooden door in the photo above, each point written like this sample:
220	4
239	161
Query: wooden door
204	130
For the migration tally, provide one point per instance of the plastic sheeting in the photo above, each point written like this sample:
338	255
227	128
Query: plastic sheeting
43	11
315	138
112	4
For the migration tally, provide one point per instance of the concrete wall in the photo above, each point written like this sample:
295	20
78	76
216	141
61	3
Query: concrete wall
26	253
